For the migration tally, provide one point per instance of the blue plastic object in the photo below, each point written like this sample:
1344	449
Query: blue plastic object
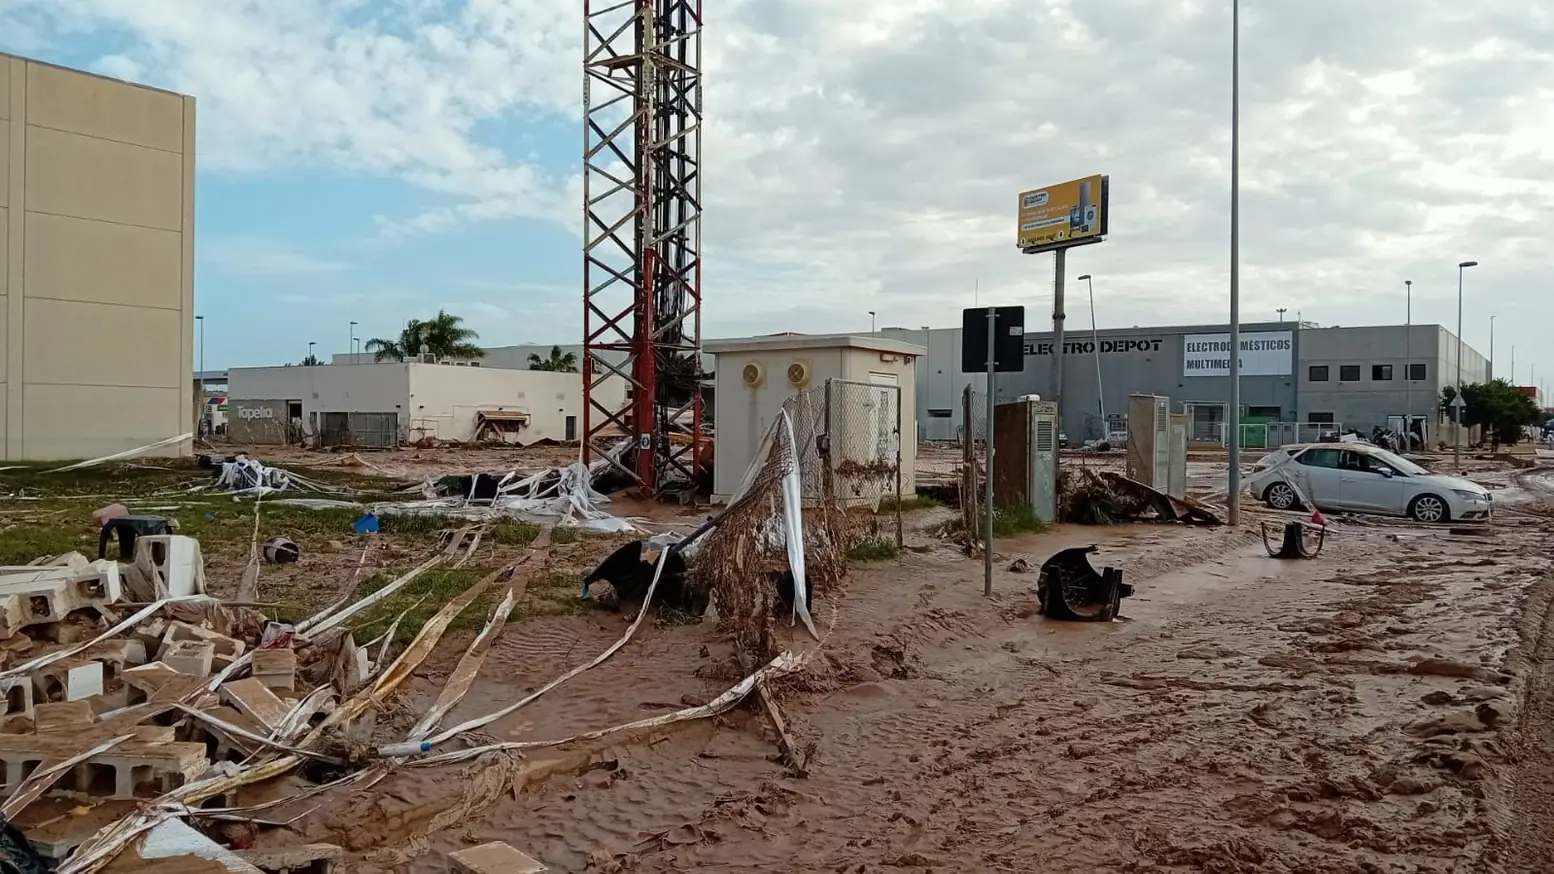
367	524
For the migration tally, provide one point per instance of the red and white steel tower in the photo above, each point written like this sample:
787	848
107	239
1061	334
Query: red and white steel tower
642	112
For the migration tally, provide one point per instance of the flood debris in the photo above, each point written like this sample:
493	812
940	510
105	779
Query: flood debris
1091	497
1068	588
1296	539
496	857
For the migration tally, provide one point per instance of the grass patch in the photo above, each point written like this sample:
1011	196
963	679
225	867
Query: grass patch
907	503
873	549
513	533
1010	521
549	594
1007	522
564	534
22	543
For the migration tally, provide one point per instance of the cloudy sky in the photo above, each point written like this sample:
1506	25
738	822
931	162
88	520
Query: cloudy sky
376	159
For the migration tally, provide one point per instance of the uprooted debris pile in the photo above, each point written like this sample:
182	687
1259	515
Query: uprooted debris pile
1089	497
139	710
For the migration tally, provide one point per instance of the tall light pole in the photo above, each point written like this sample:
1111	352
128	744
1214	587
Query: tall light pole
1408	366
1095	340
351	347
1457	402
1281	311
1235	262
311	344
1491	374
928	364
871	322
201	321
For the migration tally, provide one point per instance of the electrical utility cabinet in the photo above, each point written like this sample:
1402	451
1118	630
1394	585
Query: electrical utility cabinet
1149	440
1176	478
1025	457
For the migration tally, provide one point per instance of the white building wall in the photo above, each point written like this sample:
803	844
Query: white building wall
326	388
444	400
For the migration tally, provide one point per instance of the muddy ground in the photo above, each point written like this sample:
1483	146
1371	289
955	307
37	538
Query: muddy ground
1385	707
1382	708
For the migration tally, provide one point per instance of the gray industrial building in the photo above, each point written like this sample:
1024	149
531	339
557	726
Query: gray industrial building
1297	378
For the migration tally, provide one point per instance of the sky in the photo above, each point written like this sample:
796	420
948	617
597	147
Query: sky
375	161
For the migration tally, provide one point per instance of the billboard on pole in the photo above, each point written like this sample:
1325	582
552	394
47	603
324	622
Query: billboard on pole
1062	215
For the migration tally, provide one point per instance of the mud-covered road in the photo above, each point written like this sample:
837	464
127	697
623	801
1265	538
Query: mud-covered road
1385	707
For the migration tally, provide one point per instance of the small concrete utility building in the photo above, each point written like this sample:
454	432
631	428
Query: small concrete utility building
383	405
96	264
863	391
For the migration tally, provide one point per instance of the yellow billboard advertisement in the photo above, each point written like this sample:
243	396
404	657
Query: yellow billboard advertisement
1066	214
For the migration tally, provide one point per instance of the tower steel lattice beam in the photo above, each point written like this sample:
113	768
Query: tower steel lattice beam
642	112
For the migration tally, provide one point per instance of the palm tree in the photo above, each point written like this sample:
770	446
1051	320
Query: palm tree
557	361
443	335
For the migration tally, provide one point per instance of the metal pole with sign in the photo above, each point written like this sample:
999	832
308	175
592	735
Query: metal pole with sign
1055	219
987	495
992	339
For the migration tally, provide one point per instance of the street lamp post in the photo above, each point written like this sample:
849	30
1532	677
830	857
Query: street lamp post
1457	402
1235	263
927	368
351	347
1408	366
311	344
201	321
1095	340
872	323
1282	311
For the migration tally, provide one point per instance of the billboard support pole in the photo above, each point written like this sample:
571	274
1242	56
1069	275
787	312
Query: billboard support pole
1060	267
987	503
1233	500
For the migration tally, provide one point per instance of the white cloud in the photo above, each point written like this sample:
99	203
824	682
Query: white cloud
264	257
864	155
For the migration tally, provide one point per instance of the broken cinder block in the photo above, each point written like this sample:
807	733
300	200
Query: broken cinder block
192	657
224	650
496	857
64	715
275	668
254	700
68	680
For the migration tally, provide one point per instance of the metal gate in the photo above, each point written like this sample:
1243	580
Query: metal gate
365	430
1205	422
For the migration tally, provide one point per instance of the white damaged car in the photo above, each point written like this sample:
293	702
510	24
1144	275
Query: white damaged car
1362	478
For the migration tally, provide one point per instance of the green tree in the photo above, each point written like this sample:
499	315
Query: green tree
311	361
557	361
1497	407
443	335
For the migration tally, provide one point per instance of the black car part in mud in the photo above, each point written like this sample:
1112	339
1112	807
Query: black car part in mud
1070	589
1293	542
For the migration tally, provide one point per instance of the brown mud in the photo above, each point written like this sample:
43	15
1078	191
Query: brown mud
1382	708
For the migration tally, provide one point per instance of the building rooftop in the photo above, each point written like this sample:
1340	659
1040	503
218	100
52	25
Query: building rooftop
810	341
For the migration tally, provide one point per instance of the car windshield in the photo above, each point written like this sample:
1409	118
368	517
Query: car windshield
1398	463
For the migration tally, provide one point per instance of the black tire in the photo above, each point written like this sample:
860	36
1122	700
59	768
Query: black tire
1280	492
1429	509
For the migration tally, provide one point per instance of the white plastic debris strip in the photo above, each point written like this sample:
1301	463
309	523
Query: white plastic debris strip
793	524
249	476
564	497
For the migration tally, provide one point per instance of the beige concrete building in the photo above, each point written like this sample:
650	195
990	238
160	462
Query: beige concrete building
380	405
864	389
96	263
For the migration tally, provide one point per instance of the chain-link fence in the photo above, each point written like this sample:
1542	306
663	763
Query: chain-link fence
844	440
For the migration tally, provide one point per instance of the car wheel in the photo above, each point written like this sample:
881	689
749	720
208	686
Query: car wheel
1281	497
1429	509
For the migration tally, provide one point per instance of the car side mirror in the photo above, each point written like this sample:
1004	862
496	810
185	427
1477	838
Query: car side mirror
1386	472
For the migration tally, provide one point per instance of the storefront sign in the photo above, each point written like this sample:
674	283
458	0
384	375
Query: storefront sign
1268	353
1119	346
